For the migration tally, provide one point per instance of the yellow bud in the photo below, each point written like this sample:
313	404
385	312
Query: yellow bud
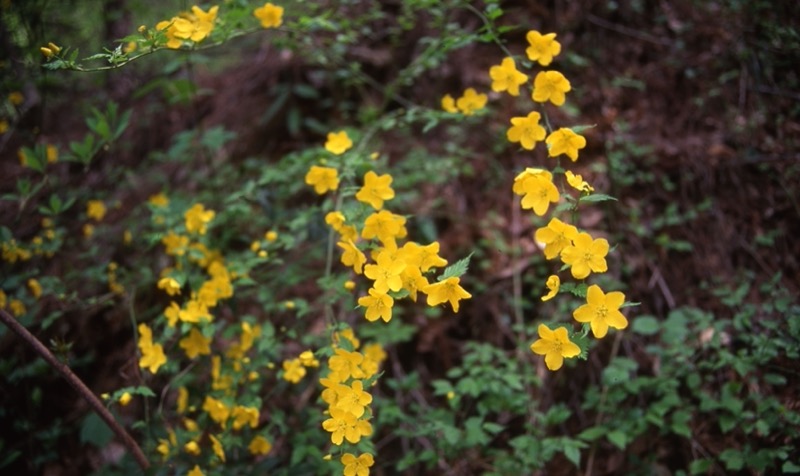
349	285
141	29
125	399
54	47
47	52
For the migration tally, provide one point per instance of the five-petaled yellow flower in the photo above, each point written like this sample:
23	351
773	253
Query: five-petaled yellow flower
378	304
505	77
556	236
448	290
601	311
338	142
449	104
376	190
95	209
322	179
542	47
550	86
259	445
586	255
270	16
555	346
471	101
526	130
357	466
537	189
565	141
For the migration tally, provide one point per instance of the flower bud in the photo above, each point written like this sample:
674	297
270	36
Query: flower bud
47	52
54	47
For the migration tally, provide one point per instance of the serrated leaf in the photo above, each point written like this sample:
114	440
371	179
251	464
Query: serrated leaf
455	270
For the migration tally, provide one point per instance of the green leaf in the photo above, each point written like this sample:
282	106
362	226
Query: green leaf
645	325
596	197
700	466
618	439
593	433
789	467
95	431
733	459
573	453
457	269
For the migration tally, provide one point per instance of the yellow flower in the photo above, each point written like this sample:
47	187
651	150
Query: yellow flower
601	311
289	305
196	471
125	399
526	130
194	312
471	101
322	179
556	236
564	141
338	142
555	346
270	16
183	400
537	188
16	98
217	410
385	226
378	304
347	364
449	104
245	416
216	447
586	255
197	218
193	449
344	425
448	290
3	299
385	273
352	256
550	86
17	307
51	154
170	286
163	448
271	235
357	466
542	47
307	359
376	189
3	126
95	209
352	399
35	287
293	370
505	77
152	354
553	284
195	344
346	334
576	181
158	200
259	445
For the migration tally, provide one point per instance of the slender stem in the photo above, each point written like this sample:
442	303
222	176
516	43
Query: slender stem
78	385
603	396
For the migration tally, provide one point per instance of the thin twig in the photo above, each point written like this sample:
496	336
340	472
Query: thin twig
627	31
78	385
603	396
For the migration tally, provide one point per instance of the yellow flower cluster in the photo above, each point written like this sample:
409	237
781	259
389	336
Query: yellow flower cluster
579	251
348	403
295	369
468	104
194	26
